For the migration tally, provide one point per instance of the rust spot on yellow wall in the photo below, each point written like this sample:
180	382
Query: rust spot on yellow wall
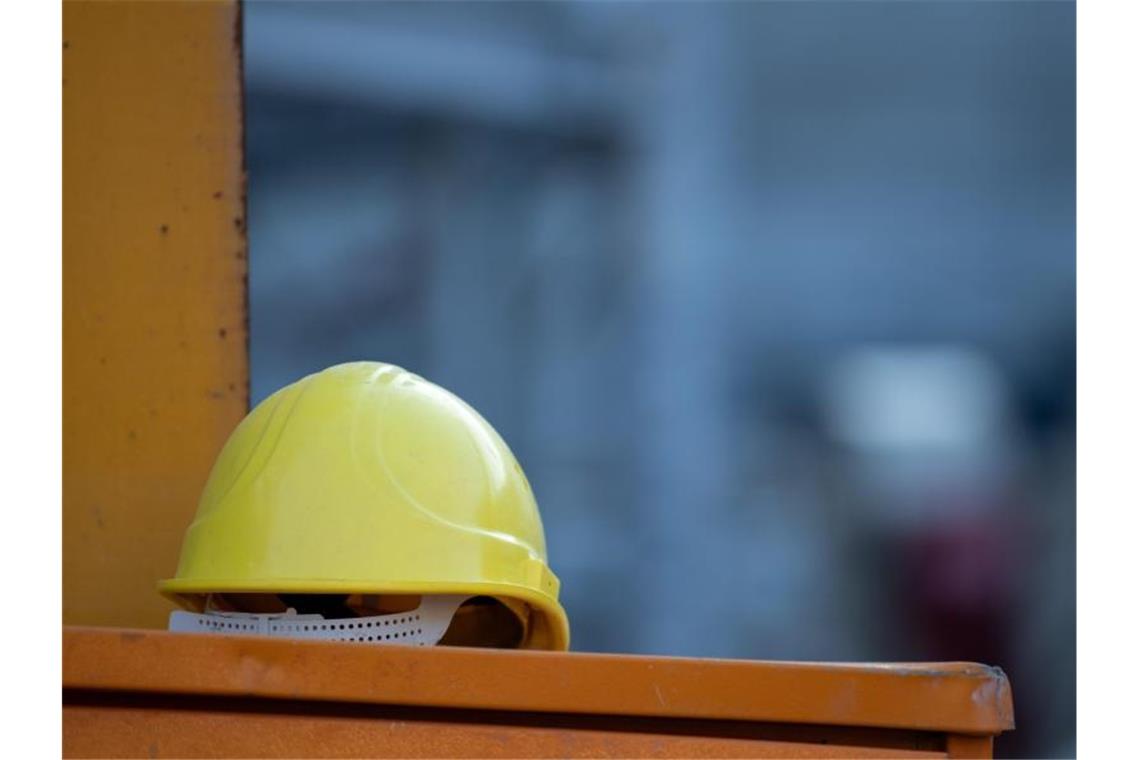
153	181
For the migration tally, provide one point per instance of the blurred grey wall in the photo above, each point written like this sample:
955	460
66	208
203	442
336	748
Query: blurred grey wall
654	244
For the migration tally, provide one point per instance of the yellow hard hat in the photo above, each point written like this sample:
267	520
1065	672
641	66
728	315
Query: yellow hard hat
366	479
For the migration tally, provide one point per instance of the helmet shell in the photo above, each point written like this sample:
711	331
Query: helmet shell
365	478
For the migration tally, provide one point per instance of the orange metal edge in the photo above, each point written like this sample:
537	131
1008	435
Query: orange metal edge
962	698
241	728
964	745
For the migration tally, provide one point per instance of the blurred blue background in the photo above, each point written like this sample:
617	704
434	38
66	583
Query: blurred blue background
774	302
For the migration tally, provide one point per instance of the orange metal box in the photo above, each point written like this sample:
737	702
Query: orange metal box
134	693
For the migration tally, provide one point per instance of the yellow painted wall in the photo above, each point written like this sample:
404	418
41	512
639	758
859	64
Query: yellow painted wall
155	360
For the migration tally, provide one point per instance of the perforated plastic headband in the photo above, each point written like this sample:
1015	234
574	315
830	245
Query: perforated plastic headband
423	626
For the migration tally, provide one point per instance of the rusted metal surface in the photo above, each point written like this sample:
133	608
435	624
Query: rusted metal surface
154	264
136	692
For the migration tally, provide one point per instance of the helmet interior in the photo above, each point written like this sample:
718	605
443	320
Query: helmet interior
481	621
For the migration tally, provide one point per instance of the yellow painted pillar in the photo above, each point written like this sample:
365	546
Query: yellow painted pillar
155	359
